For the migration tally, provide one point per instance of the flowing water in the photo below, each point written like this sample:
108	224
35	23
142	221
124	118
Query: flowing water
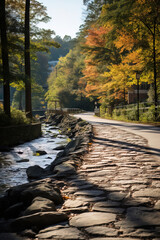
13	164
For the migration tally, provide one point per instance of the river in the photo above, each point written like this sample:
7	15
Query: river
13	164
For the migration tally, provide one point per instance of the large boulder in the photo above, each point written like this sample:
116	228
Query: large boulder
40	204
64	170
35	172
39	220
44	190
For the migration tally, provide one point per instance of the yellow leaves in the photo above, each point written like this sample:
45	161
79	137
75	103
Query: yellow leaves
68	139
36	154
134	60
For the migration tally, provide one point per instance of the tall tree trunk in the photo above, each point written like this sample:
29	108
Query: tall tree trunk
28	98
155	69
5	61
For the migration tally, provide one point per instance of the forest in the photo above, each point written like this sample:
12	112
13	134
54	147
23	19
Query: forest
114	60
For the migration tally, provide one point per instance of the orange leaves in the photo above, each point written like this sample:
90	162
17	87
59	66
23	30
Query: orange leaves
97	36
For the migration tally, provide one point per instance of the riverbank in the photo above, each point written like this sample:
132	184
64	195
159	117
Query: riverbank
36	205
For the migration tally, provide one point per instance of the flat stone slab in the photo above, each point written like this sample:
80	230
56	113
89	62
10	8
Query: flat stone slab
148	192
41	220
157	205
74	203
138	217
130	181
62	233
90	199
116	238
106	204
92	219
141	232
102	230
90	192
117	196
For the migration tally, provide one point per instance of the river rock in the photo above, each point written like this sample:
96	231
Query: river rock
41	152
39	220
35	172
92	218
40	204
44	190
22	160
61	147
64	170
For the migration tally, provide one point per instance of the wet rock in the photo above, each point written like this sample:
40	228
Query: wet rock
22	160
20	152
72	146
39	220
35	172
40	204
64	170
54	135
44	190
41	152
62	147
92	219
58	161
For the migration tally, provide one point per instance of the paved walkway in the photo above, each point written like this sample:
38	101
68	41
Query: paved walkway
116	193
149	132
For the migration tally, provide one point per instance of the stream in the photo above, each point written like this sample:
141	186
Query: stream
13	164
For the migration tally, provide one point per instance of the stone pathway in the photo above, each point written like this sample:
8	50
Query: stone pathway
116	193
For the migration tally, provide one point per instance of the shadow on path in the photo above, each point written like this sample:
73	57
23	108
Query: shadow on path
129	146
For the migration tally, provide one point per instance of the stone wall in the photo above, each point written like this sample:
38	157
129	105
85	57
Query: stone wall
13	135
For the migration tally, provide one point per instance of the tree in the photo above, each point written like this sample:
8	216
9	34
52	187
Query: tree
5	60
28	101
141	19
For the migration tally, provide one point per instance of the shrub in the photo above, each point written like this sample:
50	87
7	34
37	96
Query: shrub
17	117
149	115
